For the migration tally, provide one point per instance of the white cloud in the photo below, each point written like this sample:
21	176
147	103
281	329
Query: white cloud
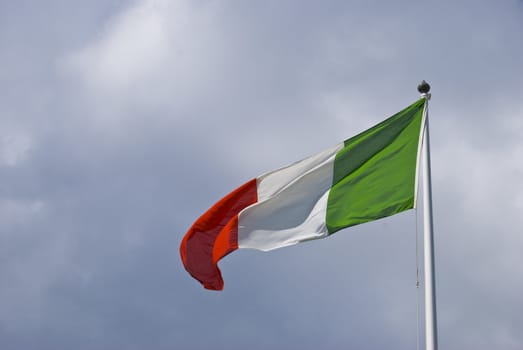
14	212
132	46
154	53
15	145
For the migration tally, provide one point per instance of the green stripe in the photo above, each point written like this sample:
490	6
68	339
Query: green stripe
375	172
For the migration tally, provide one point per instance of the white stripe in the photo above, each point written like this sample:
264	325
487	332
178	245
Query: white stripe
292	202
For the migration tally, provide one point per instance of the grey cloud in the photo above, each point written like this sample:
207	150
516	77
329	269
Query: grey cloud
101	178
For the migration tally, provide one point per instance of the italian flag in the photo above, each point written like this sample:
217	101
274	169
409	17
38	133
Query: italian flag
367	177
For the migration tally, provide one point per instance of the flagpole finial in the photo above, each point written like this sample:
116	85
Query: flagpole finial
424	87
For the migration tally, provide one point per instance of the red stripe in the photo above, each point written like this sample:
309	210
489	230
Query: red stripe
214	235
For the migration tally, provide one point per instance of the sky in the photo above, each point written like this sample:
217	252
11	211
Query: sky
121	122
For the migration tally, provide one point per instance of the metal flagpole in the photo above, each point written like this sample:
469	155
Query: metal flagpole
431	333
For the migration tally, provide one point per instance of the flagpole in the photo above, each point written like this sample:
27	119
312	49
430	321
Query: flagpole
431	332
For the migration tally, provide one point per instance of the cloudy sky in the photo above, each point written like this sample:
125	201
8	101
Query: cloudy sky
122	121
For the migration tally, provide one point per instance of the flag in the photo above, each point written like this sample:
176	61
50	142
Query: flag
367	177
